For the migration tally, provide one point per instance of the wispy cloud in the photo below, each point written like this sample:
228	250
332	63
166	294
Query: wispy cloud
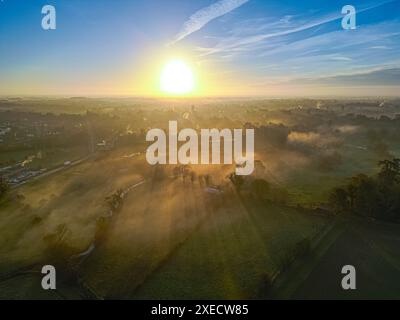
341	58
202	17
282	28
380	47
337	41
376	77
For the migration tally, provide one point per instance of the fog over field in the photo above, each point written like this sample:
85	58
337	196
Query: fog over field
117	227
199	157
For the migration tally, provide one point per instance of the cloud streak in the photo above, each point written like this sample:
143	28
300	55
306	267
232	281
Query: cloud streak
257	40
202	17
376	77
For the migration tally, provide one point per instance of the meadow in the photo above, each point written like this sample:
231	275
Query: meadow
172	237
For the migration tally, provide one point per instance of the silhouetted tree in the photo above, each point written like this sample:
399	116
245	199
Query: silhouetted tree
366	198
114	201
207	179
377	197
390	171
236	180
193	176
339	200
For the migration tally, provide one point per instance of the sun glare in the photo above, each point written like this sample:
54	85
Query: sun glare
177	78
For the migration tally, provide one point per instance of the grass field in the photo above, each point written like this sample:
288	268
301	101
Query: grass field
172	241
74	197
372	250
370	246
306	183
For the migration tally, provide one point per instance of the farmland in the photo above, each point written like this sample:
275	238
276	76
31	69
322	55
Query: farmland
194	232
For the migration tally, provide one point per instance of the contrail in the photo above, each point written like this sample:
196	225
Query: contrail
200	18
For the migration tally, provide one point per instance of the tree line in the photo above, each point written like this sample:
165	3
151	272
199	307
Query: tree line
371	196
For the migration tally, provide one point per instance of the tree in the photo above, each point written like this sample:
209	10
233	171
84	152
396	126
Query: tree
390	171
236	180
365	196
391	200
207	179
339	200
114	201
193	176
176	172
377	197
389	185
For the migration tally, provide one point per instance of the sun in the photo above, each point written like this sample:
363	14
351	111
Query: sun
177	78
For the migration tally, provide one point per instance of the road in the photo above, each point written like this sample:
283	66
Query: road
52	171
92	150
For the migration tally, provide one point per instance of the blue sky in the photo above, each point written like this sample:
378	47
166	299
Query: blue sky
245	47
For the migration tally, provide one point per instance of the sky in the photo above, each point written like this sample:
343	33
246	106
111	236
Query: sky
234	47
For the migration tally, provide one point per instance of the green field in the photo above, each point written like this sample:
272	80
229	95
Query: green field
74	197
169	236
172	241
371	247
